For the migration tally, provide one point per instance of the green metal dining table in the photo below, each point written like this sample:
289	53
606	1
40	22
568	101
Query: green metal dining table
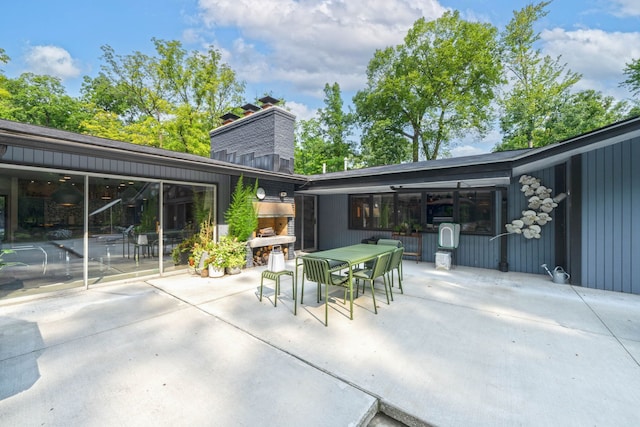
346	257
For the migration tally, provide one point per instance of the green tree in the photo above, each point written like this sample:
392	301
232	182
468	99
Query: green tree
309	147
583	112
40	100
5	95
632	72
436	86
170	100
540	86
325	139
242	216
632	82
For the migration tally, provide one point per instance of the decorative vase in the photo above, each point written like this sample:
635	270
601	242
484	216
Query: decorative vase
215	272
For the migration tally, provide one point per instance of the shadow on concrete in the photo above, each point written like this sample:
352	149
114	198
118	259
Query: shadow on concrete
20	346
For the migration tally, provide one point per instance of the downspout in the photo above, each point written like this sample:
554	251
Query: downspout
560	217
503	265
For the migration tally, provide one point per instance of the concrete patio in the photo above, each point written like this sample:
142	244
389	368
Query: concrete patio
466	347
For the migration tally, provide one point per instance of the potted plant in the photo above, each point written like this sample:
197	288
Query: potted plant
402	228
215	261
234	253
242	215
183	252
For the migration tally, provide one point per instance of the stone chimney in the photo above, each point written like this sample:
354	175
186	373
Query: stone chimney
261	138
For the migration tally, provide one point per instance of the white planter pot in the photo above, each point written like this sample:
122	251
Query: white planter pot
215	272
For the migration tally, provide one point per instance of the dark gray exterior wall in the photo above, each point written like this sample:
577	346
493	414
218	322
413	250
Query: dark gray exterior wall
610	227
263	140
94	164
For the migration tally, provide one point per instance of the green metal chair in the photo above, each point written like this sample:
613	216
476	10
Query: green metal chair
379	269
391	242
388	242
395	263
319	271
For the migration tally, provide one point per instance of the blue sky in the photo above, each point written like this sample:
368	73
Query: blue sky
291	48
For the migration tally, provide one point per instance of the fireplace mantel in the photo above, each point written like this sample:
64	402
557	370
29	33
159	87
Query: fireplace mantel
258	242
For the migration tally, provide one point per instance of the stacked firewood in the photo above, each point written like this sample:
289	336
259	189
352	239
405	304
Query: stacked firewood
261	255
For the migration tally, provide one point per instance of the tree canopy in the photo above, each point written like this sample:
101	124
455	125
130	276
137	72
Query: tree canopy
440	85
436	86
632	82
325	140
170	100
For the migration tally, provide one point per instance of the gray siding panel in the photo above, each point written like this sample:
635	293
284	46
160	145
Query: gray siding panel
611	195
80	163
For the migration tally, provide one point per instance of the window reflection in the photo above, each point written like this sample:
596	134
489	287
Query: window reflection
409	208
42	226
474	210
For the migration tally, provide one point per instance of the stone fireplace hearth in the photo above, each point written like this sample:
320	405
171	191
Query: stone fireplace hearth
275	228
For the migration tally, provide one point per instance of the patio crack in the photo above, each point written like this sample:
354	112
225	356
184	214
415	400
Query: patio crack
606	326
382	406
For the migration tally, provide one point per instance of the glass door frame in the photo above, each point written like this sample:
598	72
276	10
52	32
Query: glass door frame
306	222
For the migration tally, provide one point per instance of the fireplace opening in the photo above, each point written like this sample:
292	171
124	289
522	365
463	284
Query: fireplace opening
269	227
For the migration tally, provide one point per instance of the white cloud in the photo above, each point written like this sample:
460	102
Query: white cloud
627	7
52	60
470	150
312	42
301	111
598	55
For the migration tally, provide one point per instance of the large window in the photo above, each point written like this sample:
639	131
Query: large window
42	227
473	210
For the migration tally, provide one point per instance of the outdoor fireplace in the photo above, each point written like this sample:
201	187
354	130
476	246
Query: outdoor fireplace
275	228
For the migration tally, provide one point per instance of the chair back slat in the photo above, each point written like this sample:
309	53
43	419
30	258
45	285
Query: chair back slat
396	258
390	242
381	265
316	270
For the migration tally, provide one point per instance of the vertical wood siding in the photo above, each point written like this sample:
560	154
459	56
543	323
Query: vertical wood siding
527	255
610	232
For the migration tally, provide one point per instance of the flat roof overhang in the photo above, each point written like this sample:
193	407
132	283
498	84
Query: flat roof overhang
417	181
37	137
492	170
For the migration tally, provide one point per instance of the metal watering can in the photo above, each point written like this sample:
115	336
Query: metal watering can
558	275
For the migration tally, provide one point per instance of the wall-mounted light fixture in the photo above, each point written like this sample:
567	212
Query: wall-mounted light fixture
283	194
